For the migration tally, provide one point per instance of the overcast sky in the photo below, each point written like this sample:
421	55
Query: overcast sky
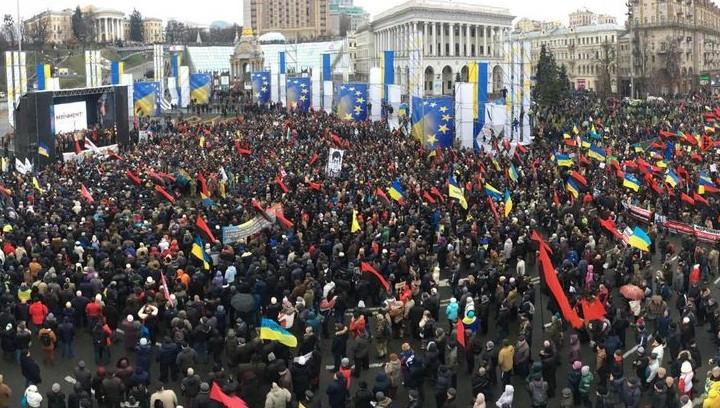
207	11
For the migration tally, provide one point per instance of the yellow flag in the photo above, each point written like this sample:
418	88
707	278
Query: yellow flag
355	224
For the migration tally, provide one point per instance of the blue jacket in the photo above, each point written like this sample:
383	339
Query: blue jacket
452	311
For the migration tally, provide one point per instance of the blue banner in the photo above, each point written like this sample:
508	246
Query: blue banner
432	120
282	62
146	98
298	94
482	97
352	101
116	72
326	70
387	65
40	71
261	87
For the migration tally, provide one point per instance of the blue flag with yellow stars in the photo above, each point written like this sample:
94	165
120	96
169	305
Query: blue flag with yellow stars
352	101
433	120
299	94
261	87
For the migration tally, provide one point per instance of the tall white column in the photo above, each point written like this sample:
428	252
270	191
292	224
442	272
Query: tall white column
467	43
452	39
460	40
105	29
425	39
485	42
477	41
434	40
442	40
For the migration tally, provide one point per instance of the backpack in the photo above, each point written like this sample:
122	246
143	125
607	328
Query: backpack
45	339
98	336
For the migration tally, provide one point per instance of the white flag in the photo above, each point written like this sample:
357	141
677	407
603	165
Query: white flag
20	167
91	146
223	174
28	165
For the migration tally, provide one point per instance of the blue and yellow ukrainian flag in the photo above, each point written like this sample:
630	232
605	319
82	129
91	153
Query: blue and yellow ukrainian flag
572	187
396	192
298	94
493	192
198	250
638	148
271	330
672	178
631	182
485	243
145	98
455	192
261	87
640	240
432	120
596	152
563	160
508	202
206	200
512	173
352	101
43	149
584	143
36	183
705	180
200	88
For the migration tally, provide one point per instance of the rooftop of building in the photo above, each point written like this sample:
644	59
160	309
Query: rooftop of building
593	28
436	5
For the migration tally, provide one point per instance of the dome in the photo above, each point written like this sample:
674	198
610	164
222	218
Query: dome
272	37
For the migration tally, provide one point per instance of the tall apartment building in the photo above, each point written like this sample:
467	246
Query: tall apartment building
57	25
674	44
295	19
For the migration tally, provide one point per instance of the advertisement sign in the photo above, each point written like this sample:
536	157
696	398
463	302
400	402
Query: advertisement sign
69	117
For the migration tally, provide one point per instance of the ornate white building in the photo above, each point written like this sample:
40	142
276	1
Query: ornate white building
109	24
455	34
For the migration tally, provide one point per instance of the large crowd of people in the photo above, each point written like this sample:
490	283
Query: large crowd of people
117	270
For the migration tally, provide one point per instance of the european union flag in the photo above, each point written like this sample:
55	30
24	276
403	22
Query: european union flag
352	101
432	120
261	87
299	94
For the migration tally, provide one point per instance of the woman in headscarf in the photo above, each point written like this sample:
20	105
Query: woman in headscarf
506	399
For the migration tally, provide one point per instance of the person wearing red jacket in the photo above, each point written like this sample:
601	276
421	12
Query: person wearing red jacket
94	311
38	312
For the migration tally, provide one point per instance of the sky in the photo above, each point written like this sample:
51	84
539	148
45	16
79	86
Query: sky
231	11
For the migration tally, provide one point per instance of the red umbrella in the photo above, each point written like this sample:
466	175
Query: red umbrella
632	292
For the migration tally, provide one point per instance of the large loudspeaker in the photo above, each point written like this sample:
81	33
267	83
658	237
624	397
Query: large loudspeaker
35	124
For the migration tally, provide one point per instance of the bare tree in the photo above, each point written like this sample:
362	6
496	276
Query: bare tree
39	31
10	29
641	56
606	67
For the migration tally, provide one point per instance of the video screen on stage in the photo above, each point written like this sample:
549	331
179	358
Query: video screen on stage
69	117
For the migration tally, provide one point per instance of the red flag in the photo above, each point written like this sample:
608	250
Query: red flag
240	150
284	221
711	189
203	184
570	142
165	194
114	155
593	310
493	208
584	160
536	237
437	194
687	198
200	223
690	139
337	140
666	134
696	157
609	225
657	145
556	198
133	177
86	194
313	159
698	197
261	211
381	194
166	291
521	148
281	184
506	144
78	150
167	176
535	164
428	197
315	186
365	267
579	177
228	401
460	335
552	282
155	176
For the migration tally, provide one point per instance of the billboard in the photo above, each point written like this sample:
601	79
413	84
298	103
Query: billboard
69	117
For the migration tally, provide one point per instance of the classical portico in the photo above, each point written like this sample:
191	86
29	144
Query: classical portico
455	34
109	25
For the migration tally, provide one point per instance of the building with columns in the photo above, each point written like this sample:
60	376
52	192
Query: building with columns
109	24
455	34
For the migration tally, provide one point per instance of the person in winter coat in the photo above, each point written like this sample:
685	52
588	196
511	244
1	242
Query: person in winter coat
131	330
203	398
190	386
55	397
33	397
277	397
566	398
451	312
631	393
521	359
5	393
363	397
300	375
361	352
66	336
538	390
336	391
443	382
506	360
143	355
381	330
574	377
506	399
479	401
393	370
586	381
167	357
30	369
382	383
685	383
186	358
113	389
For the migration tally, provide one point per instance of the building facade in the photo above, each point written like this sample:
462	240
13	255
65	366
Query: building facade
295	19
584	51
153	31
57	26
674	44
109	24
455	35
357	17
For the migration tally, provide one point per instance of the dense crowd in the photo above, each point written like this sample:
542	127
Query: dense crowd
92	268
